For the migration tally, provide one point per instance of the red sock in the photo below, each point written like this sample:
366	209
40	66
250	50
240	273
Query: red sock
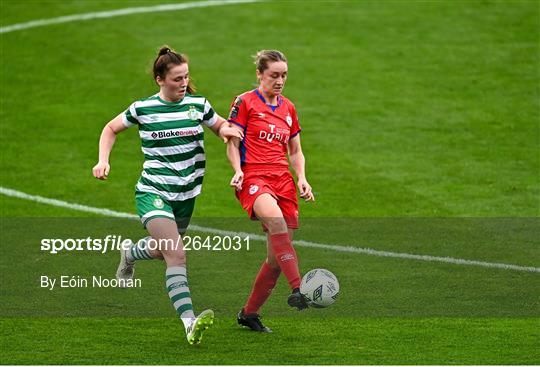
286	258
264	284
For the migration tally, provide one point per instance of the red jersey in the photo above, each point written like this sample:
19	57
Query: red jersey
267	130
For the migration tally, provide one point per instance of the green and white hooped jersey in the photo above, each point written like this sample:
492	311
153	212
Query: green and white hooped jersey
172	141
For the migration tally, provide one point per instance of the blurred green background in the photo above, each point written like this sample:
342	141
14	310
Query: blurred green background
409	109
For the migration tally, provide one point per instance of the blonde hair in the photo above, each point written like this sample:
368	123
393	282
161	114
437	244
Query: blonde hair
263	57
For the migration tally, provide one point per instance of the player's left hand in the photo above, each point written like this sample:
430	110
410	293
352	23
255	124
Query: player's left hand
305	190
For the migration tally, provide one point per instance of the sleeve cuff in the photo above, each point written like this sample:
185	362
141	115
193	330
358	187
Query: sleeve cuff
296	133
212	121
126	122
237	124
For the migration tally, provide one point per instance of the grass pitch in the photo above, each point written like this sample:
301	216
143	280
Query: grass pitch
420	128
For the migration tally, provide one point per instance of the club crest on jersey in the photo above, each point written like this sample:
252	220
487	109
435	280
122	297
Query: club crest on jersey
253	189
289	120
192	113
158	203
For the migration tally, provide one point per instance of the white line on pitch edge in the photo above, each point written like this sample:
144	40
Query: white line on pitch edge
119	12
302	243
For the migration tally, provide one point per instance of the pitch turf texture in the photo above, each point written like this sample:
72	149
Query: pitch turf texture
420	127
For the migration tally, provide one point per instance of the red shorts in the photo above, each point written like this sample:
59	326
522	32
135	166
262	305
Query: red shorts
279	184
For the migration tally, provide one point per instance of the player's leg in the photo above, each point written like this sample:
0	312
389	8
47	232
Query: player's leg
267	276
262	288
141	250
183	210
268	211
296	299
148	206
285	190
165	232
264	284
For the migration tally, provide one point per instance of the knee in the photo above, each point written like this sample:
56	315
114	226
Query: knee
174	257
156	254
276	225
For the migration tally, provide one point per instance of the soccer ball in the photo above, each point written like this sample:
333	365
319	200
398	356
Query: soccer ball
320	287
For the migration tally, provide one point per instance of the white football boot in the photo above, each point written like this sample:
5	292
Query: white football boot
125	269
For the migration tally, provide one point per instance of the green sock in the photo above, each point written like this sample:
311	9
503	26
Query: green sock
178	289
139	250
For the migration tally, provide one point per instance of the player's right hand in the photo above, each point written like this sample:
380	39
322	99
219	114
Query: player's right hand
101	170
237	180
228	132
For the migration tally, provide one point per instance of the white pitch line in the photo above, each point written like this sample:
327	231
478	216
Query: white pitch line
120	12
302	243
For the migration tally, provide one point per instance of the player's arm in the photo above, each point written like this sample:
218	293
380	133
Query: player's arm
233	155
225	130
106	142
298	163
238	117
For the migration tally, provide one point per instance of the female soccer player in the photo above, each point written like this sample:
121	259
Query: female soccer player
170	127
264	185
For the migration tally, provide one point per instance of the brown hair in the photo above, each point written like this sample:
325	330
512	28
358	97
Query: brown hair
262	58
165	59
